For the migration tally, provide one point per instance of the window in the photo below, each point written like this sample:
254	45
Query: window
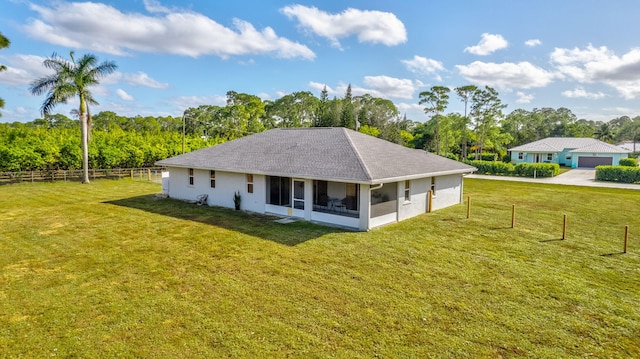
249	183
433	186
190	176
549	156
407	191
212	176
279	191
520	155
568	157
352	200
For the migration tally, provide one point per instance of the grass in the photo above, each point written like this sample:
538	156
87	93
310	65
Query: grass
107	270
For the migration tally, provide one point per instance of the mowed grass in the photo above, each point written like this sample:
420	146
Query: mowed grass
108	270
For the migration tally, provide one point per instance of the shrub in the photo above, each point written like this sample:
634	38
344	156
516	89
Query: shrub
491	167
621	174
537	169
628	162
521	169
452	156
486	156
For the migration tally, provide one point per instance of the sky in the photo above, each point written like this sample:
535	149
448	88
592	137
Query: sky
171	55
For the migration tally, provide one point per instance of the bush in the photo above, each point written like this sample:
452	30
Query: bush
621	174
484	156
452	156
521	169
537	169
628	162
491	167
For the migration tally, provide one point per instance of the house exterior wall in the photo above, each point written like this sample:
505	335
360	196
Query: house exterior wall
530	157
418	192
227	183
562	158
448	191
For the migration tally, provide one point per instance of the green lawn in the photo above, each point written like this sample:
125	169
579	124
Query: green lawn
108	270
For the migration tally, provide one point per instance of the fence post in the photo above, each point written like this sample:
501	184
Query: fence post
513	216
131	174
564	227
626	235
148	174
430	200
469	206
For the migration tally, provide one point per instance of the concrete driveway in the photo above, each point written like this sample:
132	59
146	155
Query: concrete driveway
574	177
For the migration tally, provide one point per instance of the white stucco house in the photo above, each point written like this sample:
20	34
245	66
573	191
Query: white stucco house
572	152
328	175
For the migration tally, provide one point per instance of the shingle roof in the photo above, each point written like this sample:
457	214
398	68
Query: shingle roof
575	144
319	153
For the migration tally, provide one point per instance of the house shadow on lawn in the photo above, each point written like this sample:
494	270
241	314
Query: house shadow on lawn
253	224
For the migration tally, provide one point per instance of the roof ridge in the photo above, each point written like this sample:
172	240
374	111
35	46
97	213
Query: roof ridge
355	150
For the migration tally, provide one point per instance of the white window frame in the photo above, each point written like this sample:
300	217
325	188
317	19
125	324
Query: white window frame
191	175
407	191
212	178
249	178
433	186
520	155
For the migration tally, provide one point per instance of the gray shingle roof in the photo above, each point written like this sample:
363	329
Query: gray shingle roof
319	153
559	144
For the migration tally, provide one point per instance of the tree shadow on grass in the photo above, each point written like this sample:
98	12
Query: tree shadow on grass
253	224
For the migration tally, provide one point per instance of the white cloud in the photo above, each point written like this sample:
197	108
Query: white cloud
377	86
103	28
580	92
524	97
142	79
369	26
124	95
506	75
592	65
184	102
533	42
488	44
154	6
385	87
320	86
23	69
423	65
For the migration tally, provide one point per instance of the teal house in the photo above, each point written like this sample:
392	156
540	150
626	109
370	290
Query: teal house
569	151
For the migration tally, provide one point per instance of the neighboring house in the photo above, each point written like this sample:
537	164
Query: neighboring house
629	146
328	175
568	151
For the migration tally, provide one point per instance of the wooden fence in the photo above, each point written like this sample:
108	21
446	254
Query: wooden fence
146	173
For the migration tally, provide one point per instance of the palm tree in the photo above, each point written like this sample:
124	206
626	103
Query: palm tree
604	132
70	79
4	42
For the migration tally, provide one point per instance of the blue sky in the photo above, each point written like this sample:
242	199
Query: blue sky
171	55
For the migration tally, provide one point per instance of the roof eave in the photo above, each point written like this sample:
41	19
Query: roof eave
334	179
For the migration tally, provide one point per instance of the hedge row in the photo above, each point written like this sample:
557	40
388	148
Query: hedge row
622	174
629	162
521	169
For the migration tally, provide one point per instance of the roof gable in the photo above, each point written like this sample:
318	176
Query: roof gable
319	153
